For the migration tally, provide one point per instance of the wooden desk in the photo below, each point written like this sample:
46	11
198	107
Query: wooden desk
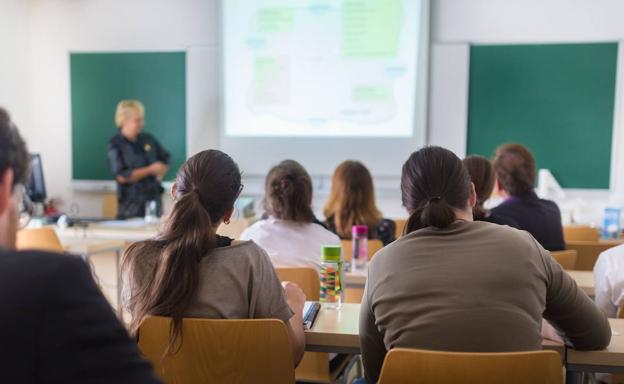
129	233
90	247
607	360
584	279
335	330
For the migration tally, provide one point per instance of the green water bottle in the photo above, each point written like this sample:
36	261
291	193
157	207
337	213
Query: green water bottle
331	276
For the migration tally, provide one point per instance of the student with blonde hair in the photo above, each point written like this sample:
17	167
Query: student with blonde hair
137	160
352	202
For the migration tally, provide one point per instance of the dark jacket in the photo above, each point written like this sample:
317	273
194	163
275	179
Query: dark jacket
385	230
541	218
124	156
57	327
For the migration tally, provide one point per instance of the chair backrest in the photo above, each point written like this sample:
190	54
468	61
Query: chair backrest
432	367
109	205
400	225
580	233
374	245
306	278
42	239
566	258
588	252
220	351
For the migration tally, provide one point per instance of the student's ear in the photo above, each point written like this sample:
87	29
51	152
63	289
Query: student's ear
6	190
174	191
473	195
228	215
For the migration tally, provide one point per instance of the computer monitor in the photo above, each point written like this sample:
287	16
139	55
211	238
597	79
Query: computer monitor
36	185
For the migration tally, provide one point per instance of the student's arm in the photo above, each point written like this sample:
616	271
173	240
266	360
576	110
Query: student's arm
274	301
81	340
602	286
371	341
570	310
296	301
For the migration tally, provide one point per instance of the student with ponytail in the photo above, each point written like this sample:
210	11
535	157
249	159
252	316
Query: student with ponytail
453	284
190	271
289	232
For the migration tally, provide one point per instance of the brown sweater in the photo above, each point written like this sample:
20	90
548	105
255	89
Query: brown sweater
473	287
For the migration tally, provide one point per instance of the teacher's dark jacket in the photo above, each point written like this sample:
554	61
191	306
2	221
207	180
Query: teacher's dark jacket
124	156
56	327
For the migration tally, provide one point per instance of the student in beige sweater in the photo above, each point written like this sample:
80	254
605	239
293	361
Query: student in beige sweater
452	284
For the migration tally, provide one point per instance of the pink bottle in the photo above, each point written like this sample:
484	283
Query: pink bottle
359	234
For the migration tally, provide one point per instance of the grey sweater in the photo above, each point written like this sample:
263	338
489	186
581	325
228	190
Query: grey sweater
473	287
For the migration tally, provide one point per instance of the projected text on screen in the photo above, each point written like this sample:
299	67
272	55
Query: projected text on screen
320	68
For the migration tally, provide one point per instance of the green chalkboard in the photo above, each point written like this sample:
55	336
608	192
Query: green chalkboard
100	80
558	99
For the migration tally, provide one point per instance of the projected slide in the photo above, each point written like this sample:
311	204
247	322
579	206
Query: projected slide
320	68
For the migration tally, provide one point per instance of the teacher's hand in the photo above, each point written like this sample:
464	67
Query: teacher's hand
158	169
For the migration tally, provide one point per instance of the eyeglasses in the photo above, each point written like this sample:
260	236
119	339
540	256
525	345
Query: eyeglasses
25	206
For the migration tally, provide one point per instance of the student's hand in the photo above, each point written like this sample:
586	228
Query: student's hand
158	168
295	296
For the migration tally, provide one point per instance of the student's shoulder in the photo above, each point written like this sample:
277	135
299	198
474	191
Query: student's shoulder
550	204
613	253
325	234
29	268
34	259
503	232
243	249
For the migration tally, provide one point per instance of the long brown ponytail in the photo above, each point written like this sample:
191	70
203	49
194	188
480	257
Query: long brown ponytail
207	186
433	182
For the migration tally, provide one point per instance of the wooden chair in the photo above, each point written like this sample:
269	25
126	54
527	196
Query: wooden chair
400	225
588	252
306	278
432	367
566	258
580	233
374	245
43	239
315	365
109	205
220	351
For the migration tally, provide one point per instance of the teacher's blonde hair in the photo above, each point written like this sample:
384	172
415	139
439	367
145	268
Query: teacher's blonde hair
127	107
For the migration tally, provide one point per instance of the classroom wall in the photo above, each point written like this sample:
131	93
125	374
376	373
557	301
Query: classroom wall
63	26
455	24
15	84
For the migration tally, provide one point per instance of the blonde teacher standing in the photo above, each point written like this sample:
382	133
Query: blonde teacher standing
137	160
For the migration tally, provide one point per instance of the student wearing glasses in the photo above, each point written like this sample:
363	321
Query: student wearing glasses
56	326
